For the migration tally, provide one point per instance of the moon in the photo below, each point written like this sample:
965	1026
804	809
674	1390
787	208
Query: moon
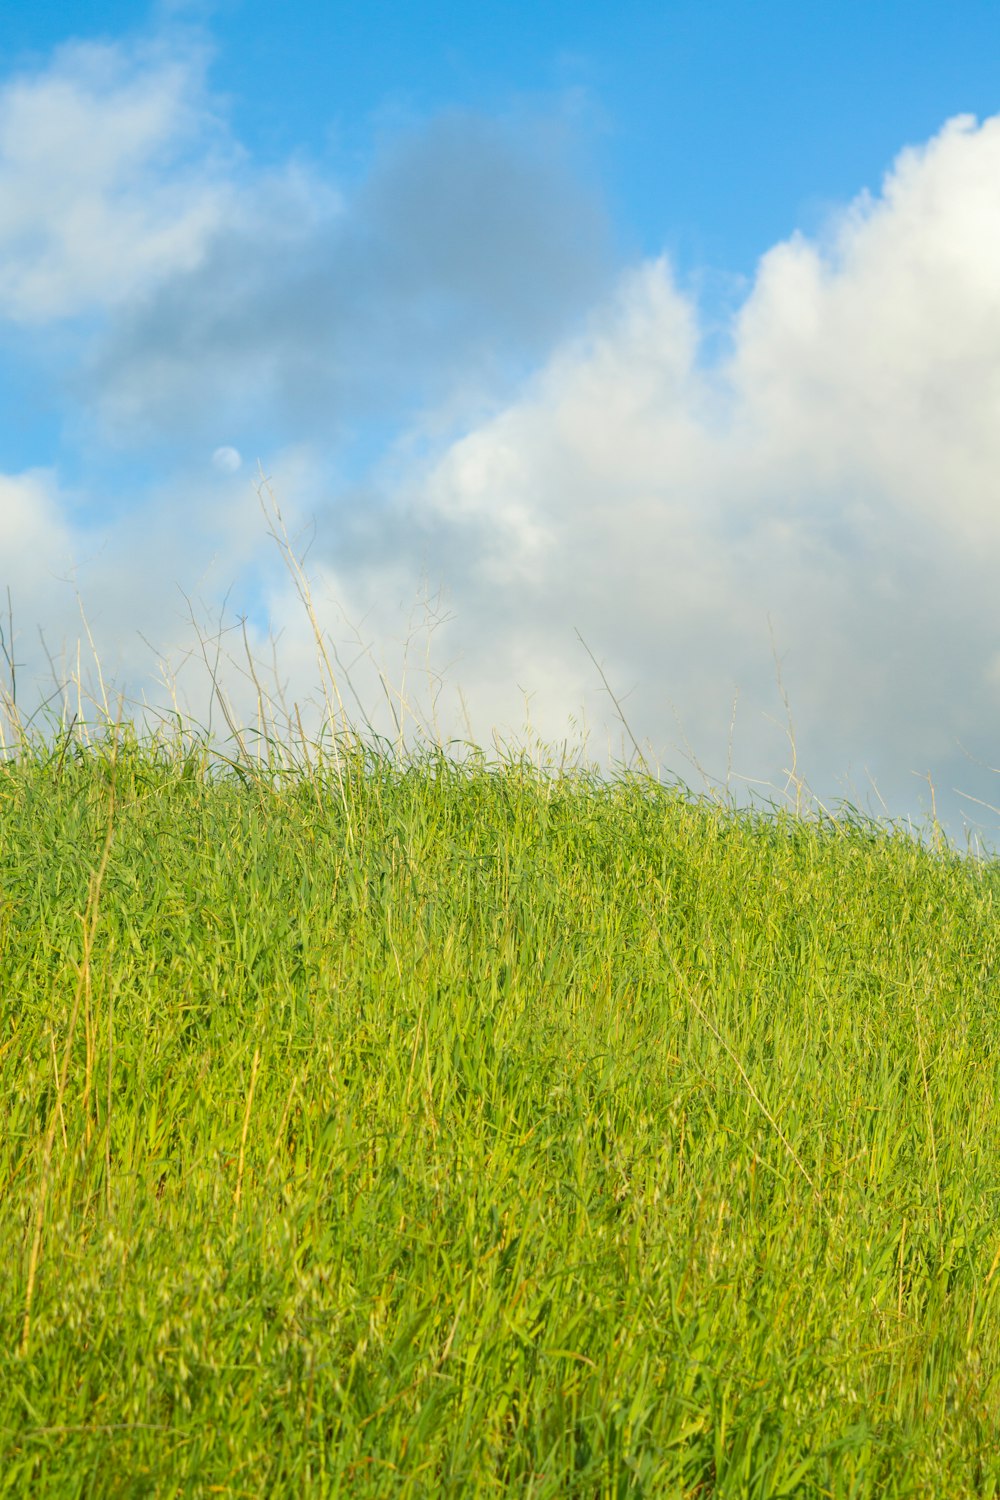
227	460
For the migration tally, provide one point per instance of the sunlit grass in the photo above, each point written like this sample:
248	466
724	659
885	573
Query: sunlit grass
400	1127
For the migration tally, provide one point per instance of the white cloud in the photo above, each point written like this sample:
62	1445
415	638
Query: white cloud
875	361
114	173
837	473
93	600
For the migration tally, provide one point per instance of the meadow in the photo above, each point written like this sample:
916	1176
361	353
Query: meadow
397	1125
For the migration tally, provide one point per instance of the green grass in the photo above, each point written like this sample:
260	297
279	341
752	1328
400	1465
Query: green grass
404	1128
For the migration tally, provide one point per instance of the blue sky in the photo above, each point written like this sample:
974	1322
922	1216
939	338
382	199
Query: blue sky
675	325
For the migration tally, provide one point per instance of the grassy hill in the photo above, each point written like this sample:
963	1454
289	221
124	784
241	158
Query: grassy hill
406	1127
